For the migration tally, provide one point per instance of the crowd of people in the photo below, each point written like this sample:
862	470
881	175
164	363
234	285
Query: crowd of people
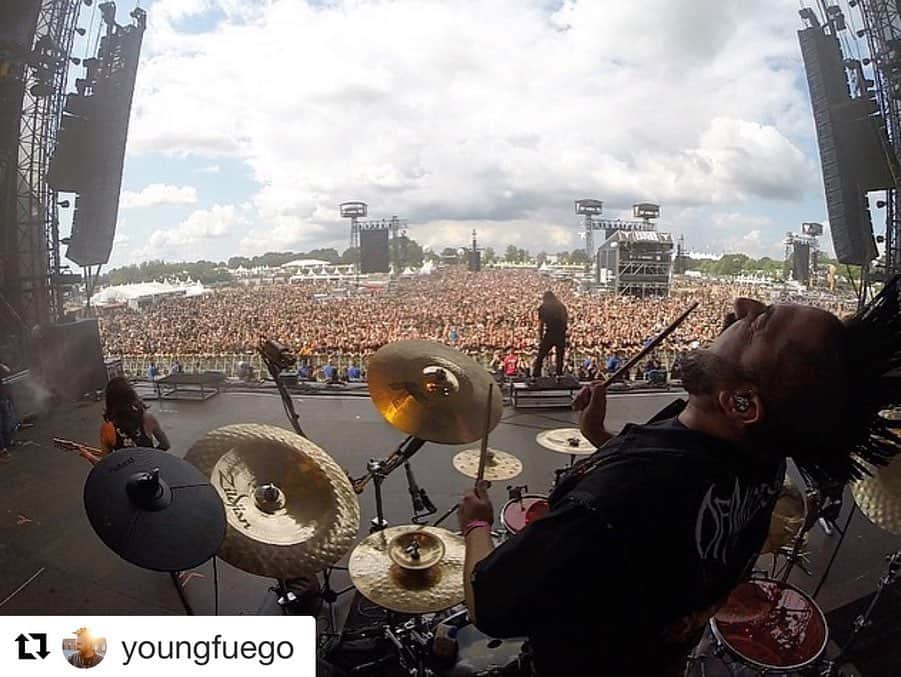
492	314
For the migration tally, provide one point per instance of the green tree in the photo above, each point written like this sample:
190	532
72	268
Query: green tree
488	256
579	257
512	254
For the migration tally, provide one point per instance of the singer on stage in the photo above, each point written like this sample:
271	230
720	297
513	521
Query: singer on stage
552	322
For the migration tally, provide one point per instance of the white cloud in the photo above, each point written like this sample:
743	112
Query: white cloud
212	169
158	195
497	114
204	224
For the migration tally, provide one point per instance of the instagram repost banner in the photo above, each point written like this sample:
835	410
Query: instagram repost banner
145	646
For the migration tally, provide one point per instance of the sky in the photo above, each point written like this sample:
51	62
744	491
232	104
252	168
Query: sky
253	120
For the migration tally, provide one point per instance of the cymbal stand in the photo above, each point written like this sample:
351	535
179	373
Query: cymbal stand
379	469
864	621
330	595
412	640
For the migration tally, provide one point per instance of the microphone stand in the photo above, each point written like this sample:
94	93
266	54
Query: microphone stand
277	358
422	504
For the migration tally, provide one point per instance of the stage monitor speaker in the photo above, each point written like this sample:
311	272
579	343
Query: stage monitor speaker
71	358
849	218
475	261
374	256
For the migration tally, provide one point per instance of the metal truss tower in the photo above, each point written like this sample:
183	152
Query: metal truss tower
882	25
32	282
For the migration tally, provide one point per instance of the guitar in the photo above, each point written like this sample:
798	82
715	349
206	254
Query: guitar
89	453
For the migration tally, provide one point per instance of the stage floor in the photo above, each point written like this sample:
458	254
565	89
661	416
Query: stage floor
51	562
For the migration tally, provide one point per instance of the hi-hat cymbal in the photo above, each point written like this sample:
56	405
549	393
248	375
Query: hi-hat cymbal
787	518
154	510
566	441
499	466
879	496
291	509
383	582
431	391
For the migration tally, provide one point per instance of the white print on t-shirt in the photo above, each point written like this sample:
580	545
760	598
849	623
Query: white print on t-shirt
722	519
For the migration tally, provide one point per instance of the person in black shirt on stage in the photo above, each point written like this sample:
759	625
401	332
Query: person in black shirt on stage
552	322
645	539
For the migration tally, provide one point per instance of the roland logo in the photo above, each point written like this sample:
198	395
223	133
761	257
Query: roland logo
233	497
123	464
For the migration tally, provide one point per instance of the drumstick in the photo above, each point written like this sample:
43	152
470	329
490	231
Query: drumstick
619	373
483	456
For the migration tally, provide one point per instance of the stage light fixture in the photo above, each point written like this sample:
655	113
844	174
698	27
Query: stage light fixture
65	241
75	60
866	61
88	3
81	31
862	32
880	239
880	204
64	204
39	89
852	3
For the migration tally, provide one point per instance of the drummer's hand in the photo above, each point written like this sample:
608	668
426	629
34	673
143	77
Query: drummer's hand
476	505
592	402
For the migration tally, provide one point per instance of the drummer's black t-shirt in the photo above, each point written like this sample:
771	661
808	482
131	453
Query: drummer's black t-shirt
646	537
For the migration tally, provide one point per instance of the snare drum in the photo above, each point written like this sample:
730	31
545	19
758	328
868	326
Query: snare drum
771	626
516	513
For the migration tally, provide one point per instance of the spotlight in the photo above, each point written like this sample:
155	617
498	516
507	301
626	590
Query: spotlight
65	241
88	3
880	204
852	3
862	32
81	31
866	61
75	60
64	204
880	239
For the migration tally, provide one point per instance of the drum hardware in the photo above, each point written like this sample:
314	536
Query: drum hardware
863	621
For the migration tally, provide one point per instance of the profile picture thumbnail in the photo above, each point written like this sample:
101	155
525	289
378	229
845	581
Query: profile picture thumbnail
84	649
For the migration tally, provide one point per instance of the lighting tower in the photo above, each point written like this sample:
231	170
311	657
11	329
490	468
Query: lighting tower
588	208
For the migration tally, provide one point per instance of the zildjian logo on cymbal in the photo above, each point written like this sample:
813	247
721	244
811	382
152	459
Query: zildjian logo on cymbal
233	497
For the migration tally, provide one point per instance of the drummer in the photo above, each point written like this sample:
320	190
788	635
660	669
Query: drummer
646	537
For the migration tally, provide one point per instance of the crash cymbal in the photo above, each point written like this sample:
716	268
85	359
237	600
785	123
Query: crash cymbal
499	466
154	510
385	583
566	441
879	496
787	518
431	391
291	509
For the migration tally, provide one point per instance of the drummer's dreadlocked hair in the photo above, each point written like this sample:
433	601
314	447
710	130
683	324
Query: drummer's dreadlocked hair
872	349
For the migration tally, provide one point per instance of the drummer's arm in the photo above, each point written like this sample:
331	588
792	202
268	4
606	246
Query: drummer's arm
478	546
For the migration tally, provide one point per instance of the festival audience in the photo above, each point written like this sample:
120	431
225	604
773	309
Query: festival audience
488	313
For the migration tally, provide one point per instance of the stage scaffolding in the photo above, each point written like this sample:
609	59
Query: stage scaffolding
31	286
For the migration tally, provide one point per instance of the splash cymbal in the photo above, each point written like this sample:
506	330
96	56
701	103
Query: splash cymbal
384	582
566	441
787	519
431	391
499	466
291	509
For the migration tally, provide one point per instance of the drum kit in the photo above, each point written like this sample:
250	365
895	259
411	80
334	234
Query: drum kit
272	503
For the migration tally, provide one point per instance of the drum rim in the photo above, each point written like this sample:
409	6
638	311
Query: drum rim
503	515
775	668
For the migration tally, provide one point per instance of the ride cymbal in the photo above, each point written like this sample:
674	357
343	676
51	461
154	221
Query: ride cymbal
381	580
291	509
154	510
787	519
879	496
431	391
566	441
499	466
